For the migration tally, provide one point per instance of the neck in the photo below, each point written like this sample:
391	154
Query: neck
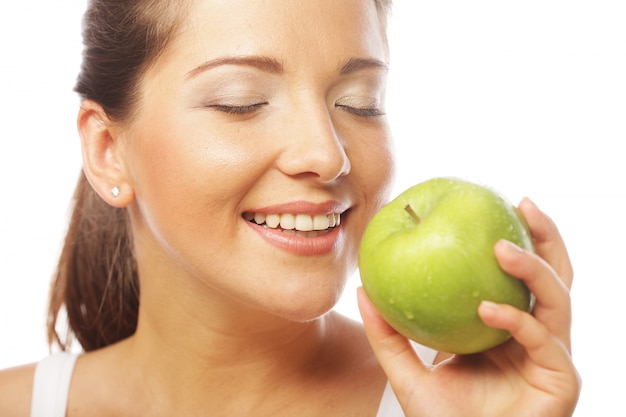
188	345
205	355
225	340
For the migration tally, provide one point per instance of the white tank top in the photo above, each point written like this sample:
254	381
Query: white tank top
53	376
51	385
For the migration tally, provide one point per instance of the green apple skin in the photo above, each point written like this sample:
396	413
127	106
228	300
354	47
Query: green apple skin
428	277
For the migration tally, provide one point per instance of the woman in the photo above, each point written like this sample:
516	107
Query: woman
233	154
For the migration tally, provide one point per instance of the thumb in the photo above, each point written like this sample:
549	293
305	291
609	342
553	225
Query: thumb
394	351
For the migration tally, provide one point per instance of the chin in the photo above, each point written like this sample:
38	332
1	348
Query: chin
303	315
307	303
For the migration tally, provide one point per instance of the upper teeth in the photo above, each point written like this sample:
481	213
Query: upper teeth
301	222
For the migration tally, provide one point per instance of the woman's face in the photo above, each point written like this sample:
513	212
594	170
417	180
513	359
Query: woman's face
260	151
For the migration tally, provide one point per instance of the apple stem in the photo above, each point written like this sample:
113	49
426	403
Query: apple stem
412	212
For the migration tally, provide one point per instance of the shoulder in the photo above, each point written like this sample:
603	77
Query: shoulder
349	351
353	335
16	386
348	337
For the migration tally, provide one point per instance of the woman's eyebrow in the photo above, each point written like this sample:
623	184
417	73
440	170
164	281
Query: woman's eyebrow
356	64
263	63
272	65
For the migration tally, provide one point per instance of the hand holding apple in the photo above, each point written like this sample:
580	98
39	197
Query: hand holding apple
426	261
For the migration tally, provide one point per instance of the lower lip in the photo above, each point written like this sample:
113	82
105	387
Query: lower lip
299	245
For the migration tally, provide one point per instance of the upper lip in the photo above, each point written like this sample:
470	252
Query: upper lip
302	207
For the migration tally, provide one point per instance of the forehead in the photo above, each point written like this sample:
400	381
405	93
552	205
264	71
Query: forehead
302	31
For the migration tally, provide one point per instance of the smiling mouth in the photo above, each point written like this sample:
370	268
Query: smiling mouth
304	225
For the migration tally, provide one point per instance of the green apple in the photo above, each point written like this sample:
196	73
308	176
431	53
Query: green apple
427	261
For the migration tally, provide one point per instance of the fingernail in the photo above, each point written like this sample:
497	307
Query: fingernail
488	307
511	246
527	200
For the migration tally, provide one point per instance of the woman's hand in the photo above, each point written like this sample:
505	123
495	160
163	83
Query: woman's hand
530	375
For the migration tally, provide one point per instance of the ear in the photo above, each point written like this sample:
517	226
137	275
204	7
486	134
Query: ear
102	155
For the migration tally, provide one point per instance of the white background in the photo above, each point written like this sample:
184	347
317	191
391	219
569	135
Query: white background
529	97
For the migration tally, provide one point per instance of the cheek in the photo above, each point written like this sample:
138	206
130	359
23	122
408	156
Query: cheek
376	172
187	180
374	169
186	156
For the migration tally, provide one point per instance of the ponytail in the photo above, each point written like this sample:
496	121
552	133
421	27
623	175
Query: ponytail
96	280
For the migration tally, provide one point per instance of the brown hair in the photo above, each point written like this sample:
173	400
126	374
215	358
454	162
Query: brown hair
96	280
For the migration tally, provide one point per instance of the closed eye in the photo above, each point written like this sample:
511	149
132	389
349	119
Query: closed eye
361	111
230	109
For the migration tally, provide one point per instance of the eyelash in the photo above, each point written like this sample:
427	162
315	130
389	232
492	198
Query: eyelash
363	112
242	110
238	109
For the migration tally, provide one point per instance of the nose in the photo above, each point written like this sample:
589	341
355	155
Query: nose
312	146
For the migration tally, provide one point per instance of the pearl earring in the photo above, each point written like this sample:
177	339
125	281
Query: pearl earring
115	191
